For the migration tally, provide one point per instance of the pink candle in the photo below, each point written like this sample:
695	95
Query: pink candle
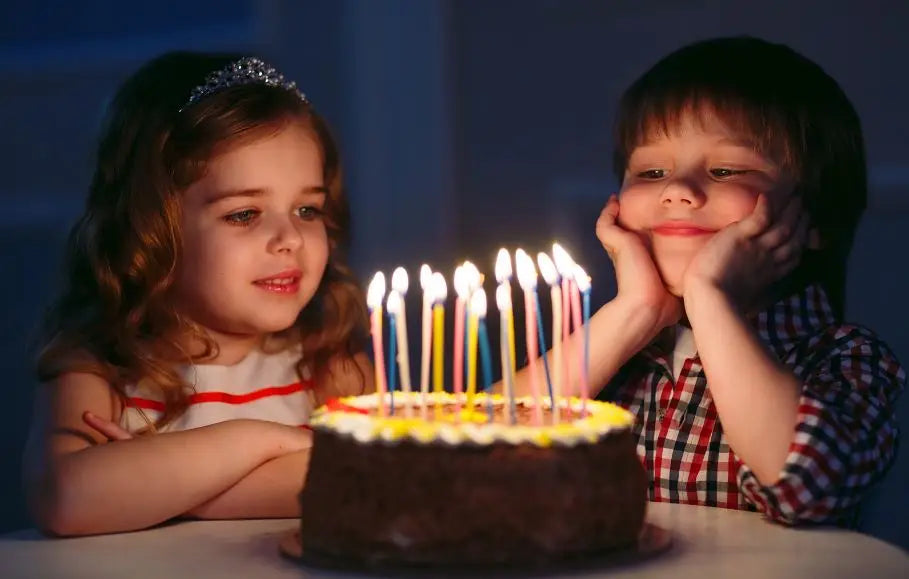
527	275
460	286
564	264
374	296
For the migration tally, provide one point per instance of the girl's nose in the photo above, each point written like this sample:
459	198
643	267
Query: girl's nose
285	237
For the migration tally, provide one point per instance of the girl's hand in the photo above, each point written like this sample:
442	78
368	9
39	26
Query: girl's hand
106	427
745	257
639	282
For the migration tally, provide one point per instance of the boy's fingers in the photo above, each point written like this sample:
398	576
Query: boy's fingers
106	427
792	225
758	221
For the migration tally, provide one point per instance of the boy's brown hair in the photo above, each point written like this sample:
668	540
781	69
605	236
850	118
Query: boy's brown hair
795	113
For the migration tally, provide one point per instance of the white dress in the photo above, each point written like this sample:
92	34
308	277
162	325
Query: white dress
260	386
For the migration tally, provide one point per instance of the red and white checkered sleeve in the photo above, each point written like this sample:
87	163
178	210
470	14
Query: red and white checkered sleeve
846	435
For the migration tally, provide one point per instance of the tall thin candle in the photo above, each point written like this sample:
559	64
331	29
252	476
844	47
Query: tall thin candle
565	265
426	337
400	284
503	276
457	363
527	278
478	308
392	343
503	301
551	276
439	294
582	281
472	323
374	295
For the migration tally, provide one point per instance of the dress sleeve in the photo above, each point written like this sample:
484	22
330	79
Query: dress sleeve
846	436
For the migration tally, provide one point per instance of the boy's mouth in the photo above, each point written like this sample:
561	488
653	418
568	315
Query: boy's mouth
681	229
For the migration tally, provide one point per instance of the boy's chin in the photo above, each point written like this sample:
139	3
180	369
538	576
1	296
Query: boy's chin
672	274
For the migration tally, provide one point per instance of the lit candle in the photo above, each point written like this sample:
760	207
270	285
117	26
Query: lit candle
503	300
582	283
565	265
374	295
391	349
478	309
527	278
400	283
439	294
551	276
473	280
426	327
457	366
472	323
503	276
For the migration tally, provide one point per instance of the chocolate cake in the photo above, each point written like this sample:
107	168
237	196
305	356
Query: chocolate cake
449	487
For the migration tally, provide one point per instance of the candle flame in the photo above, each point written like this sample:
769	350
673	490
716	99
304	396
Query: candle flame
503	298
478	303
425	276
548	269
581	278
473	277
394	304
460	283
376	291
563	261
439	288
503	265
399	281
527	273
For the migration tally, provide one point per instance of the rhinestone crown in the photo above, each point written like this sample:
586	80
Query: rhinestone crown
247	70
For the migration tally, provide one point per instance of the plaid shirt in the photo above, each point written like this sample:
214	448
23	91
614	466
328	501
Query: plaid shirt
844	441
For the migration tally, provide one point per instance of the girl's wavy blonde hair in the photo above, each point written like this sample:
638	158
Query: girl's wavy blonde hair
123	254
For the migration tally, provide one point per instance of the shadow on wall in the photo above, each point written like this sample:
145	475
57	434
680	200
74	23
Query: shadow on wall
29	260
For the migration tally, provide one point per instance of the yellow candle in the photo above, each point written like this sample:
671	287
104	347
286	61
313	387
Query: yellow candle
439	294
472	328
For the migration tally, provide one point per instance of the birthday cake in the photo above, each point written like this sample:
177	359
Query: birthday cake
435	483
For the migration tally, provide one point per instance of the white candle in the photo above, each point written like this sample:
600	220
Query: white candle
503	301
503	276
426	342
565	265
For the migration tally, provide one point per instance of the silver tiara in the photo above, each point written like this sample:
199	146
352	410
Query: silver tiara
247	70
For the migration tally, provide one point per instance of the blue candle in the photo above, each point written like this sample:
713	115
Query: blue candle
487	366
536	302
392	339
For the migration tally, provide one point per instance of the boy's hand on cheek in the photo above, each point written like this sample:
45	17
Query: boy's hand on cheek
638	280
745	257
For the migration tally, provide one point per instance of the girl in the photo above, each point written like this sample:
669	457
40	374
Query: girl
208	307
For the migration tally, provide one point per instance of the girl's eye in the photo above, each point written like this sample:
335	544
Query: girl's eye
244	217
652	174
721	172
308	212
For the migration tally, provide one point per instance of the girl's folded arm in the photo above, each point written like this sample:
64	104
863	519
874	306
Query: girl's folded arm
78	483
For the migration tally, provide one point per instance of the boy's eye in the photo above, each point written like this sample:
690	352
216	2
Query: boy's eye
244	217
722	172
308	212
652	174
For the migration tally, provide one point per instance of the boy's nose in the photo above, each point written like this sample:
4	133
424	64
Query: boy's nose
680	192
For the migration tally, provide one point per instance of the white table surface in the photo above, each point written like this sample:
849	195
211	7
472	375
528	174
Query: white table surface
707	542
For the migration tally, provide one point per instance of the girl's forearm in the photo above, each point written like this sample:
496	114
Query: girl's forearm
756	397
133	484
270	491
